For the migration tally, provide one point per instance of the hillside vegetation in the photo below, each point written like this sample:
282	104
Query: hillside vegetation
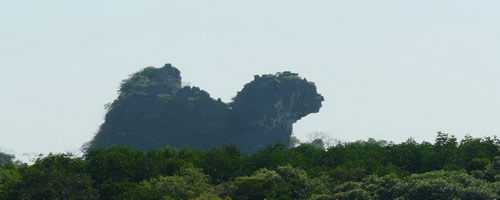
446	169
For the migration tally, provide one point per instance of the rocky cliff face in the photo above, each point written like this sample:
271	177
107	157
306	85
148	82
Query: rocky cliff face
153	110
270	105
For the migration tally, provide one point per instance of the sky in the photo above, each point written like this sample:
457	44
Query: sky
390	69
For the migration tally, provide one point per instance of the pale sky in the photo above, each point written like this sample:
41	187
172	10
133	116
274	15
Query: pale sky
389	69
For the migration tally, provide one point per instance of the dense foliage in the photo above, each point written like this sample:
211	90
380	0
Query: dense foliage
446	169
153	110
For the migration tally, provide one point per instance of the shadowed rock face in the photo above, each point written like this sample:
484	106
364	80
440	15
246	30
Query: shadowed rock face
153	110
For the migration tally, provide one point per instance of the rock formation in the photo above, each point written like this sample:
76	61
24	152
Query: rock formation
153	110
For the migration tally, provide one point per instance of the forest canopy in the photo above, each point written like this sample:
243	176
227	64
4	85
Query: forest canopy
445	169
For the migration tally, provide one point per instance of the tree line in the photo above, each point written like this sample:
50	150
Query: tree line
445	169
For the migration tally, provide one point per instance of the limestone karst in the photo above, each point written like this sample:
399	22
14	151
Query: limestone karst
153	110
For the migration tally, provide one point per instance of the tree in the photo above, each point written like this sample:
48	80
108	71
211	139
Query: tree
222	164
384	187
308	157
270	157
56	177
189	183
407	156
492	171
446	151
350	190
117	164
476	153
294	141
321	140
9	178
447	185
295	183
262	185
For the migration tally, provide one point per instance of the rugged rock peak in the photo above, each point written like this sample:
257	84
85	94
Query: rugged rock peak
285	96
153	110
171	71
152	81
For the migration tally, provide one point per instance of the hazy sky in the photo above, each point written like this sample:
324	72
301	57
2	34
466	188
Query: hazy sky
389	69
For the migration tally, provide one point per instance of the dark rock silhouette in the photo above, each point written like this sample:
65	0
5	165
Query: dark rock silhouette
153	110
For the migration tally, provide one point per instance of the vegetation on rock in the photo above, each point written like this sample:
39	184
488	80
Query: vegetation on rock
153	110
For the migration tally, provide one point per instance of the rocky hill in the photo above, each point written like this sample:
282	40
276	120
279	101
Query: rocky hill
153	110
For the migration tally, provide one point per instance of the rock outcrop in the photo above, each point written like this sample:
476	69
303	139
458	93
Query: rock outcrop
153	110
